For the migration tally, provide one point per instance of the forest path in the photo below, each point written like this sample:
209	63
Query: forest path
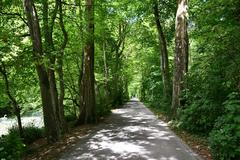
133	133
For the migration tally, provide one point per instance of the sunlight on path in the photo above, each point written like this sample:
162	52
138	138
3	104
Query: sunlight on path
133	133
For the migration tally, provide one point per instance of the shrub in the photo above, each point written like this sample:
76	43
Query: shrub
103	109
70	117
30	133
225	137
11	147
199	117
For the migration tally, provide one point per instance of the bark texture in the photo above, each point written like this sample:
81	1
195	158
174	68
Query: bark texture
88	104
50	121
181	55
57	96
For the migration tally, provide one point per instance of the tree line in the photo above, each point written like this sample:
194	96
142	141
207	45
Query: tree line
86	57
64	44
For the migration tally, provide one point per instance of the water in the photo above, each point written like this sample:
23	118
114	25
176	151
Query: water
36	119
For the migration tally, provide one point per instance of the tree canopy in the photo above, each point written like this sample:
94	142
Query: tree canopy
82	58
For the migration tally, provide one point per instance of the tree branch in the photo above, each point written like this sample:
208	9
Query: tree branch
14	14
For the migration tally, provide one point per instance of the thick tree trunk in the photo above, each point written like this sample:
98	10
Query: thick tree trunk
181	55
87	110
49	47
50	120
17	110
57	99
164	54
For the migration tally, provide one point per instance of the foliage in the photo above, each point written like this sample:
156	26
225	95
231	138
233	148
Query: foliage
30	133
192	121
225	137
70	117
127	63
11	147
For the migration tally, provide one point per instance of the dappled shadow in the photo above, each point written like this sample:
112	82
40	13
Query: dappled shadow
132	132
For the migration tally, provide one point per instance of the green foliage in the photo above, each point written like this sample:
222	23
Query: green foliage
30	133
70	117
151	90
225	137
11	147
214	71
104	104
103	110
199	117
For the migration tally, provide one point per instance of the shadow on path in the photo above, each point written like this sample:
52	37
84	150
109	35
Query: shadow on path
132	133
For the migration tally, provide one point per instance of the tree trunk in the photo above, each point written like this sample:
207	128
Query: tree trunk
50	121
17	110
87	110
181	55
120	46
81	34
49	48
163	53
63	123
106	74
57	99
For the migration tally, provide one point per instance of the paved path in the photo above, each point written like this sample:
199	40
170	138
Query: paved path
132	133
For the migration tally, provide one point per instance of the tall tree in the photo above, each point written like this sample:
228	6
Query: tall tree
50	49
60	70
87	84
163	53
118	95
181	53
50	120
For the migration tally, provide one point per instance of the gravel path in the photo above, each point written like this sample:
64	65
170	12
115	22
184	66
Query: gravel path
132	133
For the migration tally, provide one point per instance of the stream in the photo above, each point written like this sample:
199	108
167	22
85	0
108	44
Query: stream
36	119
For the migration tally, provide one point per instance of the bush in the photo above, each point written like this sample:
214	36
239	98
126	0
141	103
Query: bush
11	147
70	118
30	133
103	109
199	117
225	137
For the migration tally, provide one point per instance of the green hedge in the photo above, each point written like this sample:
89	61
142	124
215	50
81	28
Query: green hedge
225	137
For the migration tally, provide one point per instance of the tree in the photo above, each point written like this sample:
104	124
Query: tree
117	77
181	53
50	121
55	57
163	52
87	85
16	107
